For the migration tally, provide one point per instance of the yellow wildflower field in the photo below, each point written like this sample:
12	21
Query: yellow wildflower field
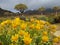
33	32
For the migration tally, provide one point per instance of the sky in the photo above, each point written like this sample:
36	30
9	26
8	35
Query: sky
32	4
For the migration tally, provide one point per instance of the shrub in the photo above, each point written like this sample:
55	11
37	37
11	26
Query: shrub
45	18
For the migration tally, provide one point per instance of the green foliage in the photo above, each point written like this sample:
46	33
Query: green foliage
57	18
21	7
56	8
45	18
41	9
51	20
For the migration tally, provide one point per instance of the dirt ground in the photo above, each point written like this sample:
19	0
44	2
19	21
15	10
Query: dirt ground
58	28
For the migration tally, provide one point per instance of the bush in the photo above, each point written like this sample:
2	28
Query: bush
45	18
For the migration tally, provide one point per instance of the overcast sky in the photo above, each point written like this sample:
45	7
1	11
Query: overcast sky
32	4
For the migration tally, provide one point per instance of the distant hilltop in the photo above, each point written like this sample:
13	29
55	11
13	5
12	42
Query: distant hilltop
47	11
